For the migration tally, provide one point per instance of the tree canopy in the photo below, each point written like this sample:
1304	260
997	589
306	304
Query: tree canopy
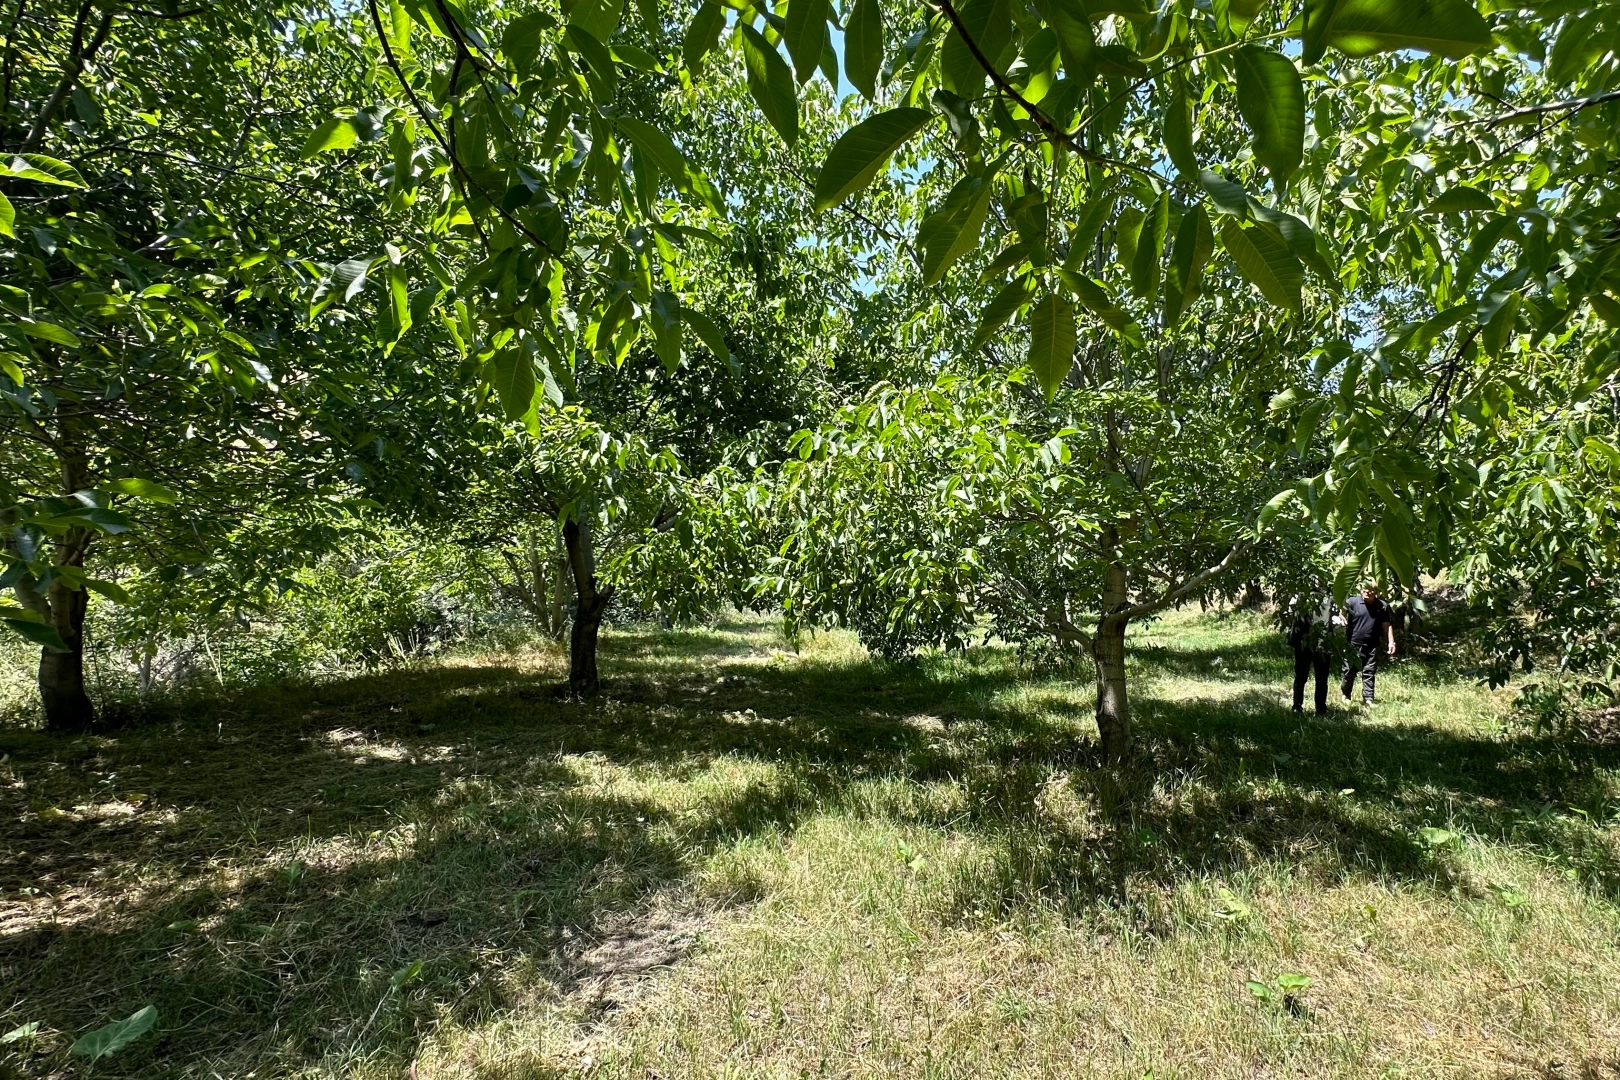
931	319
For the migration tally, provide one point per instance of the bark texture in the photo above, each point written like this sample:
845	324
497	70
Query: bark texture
591	604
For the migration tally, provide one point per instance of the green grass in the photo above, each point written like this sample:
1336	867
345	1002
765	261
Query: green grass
742	861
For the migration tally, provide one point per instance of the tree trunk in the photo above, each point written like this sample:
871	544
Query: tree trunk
1108	653
61	674
539	587
591	605
559	604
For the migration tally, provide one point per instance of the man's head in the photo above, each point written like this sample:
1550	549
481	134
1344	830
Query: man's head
1369	590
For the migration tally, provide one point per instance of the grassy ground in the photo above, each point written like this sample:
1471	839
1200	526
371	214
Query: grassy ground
745	862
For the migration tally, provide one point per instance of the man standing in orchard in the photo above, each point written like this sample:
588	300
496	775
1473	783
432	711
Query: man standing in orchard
1369	624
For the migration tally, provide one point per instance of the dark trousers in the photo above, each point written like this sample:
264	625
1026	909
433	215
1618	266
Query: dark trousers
1362	657
1308	661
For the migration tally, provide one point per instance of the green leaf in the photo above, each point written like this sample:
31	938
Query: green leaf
640	59
1499	331
48	331
1240	13
990	26
405	976
1096	300
953	230
864	149
99	518
8	217
512	376
108	1040
1314	21
1344	579
1460	199
1302	241
1150	249
1273	507
708	333
1271	99
598	18
667	329
1008	299
150	490
1452	28
1195	242
806	30
770	82
1178	128
863	46
1077	42
1085	232
111	591
671	161
1228	195
349	277
42	170
1437	838
522	38
1115	59
1052	339
829	60
1127	231
1283	401
338	133
1395	546
1262	256
400	298
605	83
28	624
651	21
1603	450
26	1031
702	35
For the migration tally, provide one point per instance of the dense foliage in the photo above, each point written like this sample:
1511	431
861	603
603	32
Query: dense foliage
1079	309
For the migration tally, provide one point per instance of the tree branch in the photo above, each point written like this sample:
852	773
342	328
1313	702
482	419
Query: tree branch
1186	587
1041	120
77	58
1573	105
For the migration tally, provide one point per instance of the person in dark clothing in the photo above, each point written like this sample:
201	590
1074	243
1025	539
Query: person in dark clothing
1309	639
1369	625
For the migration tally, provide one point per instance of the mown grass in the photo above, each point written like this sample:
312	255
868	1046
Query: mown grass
743	861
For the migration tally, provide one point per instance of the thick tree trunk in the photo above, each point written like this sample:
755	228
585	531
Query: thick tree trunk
1108	652
591	605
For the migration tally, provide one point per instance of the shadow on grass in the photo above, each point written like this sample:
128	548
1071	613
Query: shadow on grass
293	851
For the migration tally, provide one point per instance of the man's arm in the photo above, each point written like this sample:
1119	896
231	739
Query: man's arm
1390	627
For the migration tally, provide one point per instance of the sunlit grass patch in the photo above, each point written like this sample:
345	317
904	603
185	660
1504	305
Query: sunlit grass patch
746	860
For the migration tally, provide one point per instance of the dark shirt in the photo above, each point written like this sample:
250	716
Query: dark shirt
1367	619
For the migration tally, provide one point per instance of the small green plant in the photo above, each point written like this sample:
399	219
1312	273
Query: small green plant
1510	894
914	862
1230	908
1285	990
17	1034
111	1038
1434	838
